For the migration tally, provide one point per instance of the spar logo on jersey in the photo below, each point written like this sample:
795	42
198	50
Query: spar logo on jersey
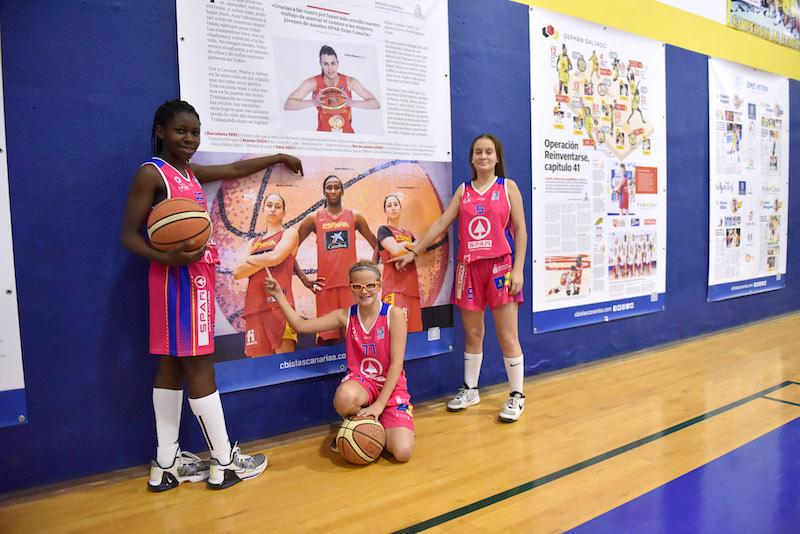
200	282
478	228
203	317
337	239
181	182
371	368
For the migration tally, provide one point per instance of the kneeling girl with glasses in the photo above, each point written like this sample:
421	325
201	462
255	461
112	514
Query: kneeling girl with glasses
375	343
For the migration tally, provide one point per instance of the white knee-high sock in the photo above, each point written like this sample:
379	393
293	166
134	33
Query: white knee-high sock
472	368
167	404
515	369
208	411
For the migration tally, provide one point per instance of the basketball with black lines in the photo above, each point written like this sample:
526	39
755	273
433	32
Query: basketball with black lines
177	220
237	218
360	441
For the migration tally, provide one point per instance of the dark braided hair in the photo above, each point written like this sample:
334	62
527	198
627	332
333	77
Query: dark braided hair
164	114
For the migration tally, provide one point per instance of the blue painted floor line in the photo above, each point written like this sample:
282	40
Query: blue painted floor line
752	489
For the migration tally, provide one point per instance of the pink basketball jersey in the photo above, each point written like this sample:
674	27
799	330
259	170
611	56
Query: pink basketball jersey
484	223
182	296
368	351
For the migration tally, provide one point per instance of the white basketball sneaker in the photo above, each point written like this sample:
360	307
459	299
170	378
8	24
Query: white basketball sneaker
241	467
465	398
186	467
513	407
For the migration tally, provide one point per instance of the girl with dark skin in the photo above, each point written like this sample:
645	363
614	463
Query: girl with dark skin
175	138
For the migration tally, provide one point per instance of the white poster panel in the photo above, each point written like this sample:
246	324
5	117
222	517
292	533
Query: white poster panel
13	407
749	180
357	89
252	69
598	134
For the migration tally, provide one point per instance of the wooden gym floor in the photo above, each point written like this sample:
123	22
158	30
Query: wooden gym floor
609	441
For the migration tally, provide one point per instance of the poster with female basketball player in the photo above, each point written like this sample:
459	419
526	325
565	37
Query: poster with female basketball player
405	195
349	88
331	77
749	173
599	173
329	86
394	197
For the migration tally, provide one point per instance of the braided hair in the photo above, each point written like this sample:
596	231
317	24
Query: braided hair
163	115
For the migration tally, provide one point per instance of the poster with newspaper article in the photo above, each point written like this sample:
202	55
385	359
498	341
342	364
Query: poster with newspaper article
749	180
358	90
599	173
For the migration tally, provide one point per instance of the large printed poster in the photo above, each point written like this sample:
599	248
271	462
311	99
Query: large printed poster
599	173
749	180
774	20
359	91
13	404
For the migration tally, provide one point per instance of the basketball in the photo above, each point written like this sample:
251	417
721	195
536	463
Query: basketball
175	220
360	441
332	98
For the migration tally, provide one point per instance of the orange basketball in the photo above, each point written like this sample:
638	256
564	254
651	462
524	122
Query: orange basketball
332	98
175	220
360	441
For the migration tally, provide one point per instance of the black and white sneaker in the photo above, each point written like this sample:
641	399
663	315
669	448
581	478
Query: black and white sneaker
513	407
241	467
186	467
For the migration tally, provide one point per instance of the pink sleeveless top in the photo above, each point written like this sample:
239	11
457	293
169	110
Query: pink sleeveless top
484	223
368	351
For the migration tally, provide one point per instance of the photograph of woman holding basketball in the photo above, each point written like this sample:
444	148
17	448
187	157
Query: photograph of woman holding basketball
332	95
400	288
266	330
181	287
491	257
375	382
